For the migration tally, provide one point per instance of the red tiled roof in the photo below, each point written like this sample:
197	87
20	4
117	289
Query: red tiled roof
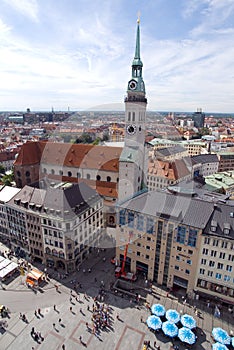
70	155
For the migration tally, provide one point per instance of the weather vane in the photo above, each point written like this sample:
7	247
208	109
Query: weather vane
138	17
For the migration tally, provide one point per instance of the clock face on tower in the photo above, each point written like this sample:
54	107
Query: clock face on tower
131	129
132	85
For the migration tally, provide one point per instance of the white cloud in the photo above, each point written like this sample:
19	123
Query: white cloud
28	8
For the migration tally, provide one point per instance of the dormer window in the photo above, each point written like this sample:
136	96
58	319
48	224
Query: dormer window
213	225
226	228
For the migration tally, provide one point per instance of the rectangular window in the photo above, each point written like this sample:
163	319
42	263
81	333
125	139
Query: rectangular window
130	219
227	278
211	263
220	266
222	255
202	271
224	244
181	233
229	268
203	261
179	249
177	267
215	242
192	238
122	217
218	276
177	257
205	251
147	256
187	272
140	222
207	240
150	225
138	254
213	253
189	261
210	273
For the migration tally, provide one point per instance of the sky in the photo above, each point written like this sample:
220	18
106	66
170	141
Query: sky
77	54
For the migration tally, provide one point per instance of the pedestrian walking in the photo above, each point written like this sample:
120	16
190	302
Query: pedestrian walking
141	319
54	307
35	313
63	347
60	320
54	325
39	311
80	338
155	344
70	308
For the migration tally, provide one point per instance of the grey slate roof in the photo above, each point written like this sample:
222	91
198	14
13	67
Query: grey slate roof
68	199
183	209
205	158
168	151
223	216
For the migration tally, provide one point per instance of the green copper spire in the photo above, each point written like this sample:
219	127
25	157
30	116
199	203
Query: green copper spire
136	84
137	60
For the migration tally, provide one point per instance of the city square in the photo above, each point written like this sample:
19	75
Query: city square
59	325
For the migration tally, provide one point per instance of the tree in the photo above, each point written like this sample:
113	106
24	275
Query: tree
7	179
2	169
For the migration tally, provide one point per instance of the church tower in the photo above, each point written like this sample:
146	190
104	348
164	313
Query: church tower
133	162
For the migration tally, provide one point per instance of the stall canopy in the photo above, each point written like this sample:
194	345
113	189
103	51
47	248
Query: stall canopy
6	267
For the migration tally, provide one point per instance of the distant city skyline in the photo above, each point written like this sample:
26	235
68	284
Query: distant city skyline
78	54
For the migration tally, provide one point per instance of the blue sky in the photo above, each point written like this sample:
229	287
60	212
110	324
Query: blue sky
78	54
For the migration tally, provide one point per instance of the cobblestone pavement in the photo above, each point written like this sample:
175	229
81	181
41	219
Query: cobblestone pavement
127	333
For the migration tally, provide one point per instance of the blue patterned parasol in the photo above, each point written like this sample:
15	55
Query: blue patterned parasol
218	346
221	336
188	321
186	335
170	329
154	322
158	310
173	315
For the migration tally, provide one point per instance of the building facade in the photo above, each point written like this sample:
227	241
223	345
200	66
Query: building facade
57	226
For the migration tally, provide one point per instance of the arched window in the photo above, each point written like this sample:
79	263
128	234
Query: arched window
44	171
18	173
98	178
88	176
61	172
117	180
108	179
27	173
78	175
52	171
48	251
69	173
